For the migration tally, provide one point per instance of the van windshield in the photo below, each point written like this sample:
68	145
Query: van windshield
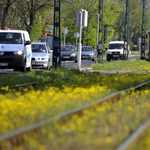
116	46
10	38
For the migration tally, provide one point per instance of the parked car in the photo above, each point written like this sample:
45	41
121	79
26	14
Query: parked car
88	53
41	55
15	50
68	52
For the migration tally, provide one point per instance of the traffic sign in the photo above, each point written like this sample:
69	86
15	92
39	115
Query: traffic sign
116	37
65	31
76	35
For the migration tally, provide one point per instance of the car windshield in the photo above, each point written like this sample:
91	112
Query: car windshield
116	46
86	49
68	48
10	38
39	48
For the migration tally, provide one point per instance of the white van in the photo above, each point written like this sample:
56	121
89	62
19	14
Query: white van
115	50
15	50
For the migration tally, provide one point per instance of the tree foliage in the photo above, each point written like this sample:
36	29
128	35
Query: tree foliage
36	16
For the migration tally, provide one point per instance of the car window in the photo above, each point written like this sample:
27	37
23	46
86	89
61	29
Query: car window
10	38
67	48
39	48
86	49
116	46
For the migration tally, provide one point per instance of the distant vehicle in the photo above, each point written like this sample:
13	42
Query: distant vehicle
15	50
41	55
68	52
115	50
88	53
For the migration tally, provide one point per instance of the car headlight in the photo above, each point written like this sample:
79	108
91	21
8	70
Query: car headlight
44	59
121	52
91	54
74	54
18	52
109	52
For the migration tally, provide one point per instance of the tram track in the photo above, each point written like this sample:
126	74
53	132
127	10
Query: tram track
17	134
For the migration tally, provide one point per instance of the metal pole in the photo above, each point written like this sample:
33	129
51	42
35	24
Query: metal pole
143	30
56	35
149	45
64	38
126	32
102	27
97	38
80	45
100	43
76	40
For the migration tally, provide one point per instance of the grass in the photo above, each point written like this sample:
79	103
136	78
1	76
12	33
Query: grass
128	65
12	79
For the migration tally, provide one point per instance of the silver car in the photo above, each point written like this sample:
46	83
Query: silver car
87	53
41	55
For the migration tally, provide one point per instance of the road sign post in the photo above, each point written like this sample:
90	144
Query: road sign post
76	35
81	21
65	31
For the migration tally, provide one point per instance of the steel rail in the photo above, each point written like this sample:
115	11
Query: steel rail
134	136
28	84
17	133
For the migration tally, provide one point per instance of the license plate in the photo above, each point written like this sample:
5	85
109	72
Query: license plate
66	57
84	57
3	64
115	55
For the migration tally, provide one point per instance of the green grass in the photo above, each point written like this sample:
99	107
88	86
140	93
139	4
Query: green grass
128	65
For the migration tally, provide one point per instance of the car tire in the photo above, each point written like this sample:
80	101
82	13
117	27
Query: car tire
23	69
93	59
75	61
108	60
16	69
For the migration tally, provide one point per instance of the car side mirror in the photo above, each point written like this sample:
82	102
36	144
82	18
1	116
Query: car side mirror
106	49
27	43
50	51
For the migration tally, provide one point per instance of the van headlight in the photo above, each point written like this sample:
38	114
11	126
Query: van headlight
18	53
109	52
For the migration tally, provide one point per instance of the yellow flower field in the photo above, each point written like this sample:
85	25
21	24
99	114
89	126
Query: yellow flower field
102	127
28	106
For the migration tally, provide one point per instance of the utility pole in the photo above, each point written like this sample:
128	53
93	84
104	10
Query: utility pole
143	31
126	32
101	33
56	35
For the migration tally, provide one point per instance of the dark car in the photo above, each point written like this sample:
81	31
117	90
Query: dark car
87	53
68	52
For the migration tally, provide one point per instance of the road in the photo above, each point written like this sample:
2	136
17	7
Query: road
72	64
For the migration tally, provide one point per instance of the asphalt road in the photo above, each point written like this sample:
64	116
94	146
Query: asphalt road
72	64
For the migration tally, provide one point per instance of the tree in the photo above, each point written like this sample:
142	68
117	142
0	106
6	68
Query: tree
4	10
